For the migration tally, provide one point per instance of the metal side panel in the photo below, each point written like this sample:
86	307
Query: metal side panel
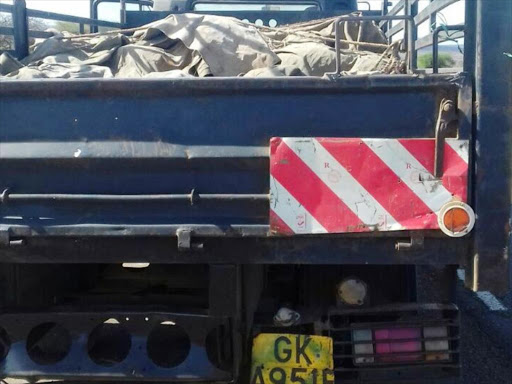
154	158
106	345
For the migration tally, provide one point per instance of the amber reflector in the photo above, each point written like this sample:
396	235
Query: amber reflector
456	219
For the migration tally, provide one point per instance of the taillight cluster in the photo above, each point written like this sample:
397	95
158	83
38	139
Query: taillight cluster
400	345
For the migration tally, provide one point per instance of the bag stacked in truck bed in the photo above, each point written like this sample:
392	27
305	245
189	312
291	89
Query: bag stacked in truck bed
186	45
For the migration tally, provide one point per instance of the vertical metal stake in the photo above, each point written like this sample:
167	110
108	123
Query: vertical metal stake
20	24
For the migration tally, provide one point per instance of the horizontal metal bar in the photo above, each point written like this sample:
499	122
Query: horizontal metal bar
425	41
6	31
127	149
373	18
433	7
110	230
6	8
398	324
43	228
393	308
277	2
143	88
40	34
398	366
354	342
6	197
72	19
391	354
395	29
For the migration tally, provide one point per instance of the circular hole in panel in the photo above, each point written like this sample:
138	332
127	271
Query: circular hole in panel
48	343
272	23
168	345
109	343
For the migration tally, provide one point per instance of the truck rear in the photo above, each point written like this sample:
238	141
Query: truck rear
263	230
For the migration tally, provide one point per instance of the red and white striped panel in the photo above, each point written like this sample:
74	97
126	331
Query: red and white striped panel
333	185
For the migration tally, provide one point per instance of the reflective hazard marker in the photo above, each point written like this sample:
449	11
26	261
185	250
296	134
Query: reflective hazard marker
340	185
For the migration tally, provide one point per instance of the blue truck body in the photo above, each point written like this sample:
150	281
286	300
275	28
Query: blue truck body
175	172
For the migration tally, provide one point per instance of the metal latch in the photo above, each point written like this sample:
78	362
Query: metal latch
416	243
6	241
444	128
185	240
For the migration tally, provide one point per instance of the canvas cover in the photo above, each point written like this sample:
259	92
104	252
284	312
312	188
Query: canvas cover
186	45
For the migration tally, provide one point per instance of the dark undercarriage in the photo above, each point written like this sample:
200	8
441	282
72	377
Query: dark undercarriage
170	322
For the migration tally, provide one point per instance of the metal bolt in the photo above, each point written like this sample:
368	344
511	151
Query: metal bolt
448	106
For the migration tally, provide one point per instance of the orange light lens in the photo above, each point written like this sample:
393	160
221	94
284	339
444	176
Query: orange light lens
456	219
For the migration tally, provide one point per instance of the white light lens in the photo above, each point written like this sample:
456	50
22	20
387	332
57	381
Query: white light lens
135	265
436	345
363	348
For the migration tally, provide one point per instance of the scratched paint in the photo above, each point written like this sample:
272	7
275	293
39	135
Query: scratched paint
340	185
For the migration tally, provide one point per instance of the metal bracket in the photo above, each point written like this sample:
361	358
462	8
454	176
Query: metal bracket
444	129
185	240
416	243
6	241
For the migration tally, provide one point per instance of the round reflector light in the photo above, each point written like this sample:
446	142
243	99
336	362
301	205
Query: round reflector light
456	219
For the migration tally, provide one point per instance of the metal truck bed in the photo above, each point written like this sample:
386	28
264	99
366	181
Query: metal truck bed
136	227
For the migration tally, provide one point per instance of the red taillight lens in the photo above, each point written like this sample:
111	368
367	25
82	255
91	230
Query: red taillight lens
401	345
393	345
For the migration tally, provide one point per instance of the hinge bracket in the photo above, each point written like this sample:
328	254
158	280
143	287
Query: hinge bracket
185	240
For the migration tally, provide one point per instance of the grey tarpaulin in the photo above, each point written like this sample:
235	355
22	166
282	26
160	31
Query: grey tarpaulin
183	45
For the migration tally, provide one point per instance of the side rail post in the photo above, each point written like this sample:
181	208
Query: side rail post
20	26
492	197
412	33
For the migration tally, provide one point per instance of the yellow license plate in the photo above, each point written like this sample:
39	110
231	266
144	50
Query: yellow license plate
291	359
